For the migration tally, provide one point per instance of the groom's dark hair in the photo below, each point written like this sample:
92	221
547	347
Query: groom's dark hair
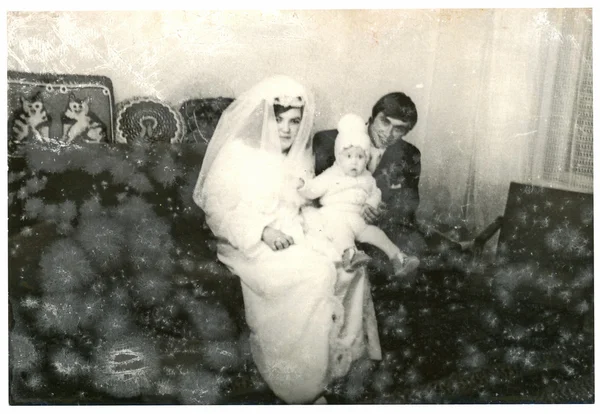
396	105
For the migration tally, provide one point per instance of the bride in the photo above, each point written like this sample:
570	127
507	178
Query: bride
309	319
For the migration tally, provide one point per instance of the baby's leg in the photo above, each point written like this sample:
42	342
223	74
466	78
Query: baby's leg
323	246
375	236
402	264
337	228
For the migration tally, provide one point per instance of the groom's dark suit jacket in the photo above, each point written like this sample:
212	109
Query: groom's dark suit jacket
397	177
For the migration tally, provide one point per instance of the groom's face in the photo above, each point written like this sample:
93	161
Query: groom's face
385	131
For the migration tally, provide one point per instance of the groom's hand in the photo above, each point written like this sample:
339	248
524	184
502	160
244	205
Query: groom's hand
370	214
275	239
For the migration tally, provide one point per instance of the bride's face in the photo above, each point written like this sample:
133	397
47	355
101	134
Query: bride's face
288	123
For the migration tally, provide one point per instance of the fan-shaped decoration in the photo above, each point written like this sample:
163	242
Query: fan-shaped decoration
148	120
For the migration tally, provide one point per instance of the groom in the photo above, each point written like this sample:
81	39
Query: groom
395	164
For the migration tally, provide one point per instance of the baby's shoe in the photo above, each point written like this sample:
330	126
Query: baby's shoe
403	265
352	259
321	400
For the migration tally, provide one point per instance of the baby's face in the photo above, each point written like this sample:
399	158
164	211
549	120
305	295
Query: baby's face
353	161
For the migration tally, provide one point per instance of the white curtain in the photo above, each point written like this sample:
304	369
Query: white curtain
490	105
564	156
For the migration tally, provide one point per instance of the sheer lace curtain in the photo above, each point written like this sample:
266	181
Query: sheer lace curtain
506	104
564	159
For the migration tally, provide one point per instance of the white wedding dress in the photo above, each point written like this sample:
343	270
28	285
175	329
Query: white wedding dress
308	320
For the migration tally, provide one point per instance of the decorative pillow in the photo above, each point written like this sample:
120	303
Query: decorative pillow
62	108
201	117
148	120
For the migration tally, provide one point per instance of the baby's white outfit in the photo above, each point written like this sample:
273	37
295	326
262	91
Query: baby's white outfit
342	198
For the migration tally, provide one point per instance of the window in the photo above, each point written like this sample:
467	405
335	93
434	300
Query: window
568	158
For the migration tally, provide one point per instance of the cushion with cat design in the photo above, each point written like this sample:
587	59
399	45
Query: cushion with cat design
68	109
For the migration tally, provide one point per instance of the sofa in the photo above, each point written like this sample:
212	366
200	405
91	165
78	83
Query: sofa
116	295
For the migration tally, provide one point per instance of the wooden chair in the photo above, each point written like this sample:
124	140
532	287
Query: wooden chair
549	226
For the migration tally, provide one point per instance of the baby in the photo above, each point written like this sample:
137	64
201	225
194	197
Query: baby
343	190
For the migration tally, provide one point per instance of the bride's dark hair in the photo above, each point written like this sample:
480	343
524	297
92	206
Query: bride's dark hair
280	109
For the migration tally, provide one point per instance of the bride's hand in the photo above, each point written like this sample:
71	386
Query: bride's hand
275	239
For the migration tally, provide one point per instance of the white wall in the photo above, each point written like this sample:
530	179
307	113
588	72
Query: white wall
348	58
475	75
